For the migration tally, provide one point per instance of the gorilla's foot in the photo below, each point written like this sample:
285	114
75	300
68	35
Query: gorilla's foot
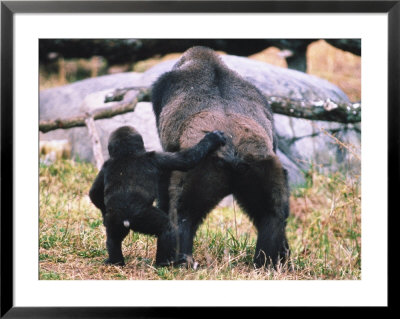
120	262
183	260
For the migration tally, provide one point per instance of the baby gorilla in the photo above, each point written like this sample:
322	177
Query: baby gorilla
127	185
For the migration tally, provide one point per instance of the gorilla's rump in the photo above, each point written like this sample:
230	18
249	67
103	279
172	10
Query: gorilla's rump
247	140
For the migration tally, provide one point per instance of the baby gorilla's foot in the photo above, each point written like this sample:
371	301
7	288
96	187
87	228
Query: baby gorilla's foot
108	261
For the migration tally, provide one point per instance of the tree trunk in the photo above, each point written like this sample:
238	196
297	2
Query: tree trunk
96	145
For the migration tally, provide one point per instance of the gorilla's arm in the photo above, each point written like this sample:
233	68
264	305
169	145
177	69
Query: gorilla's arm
96	192
188	158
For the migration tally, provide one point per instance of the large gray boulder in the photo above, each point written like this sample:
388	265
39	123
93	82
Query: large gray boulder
65	101
302	143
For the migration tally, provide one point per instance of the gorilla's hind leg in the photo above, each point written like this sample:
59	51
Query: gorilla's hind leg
262	191
150	221
115	236
193	195
272	246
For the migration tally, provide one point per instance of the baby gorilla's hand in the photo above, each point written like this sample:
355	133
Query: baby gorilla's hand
217	137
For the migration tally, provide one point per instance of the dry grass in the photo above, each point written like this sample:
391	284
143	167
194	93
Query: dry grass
144	65
271	55
65	71
339	67
323	231
325	61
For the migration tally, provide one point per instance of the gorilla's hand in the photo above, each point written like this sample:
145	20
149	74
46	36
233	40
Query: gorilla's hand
216	137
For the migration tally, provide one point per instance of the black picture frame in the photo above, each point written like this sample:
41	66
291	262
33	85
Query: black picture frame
9	8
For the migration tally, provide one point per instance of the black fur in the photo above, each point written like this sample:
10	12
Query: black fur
126	187
201	94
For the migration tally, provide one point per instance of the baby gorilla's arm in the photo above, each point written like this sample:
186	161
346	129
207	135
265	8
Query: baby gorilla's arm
188	158
96	192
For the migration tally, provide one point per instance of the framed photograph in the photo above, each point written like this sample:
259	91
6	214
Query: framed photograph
52	236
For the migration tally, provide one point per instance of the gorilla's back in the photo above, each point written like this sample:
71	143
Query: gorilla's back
202	94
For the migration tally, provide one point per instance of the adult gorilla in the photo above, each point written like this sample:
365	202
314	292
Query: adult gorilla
201	94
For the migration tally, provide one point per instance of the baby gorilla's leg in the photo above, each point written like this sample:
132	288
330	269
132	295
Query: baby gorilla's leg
115	236
151	221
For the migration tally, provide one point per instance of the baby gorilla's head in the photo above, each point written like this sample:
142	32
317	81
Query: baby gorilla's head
125	141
